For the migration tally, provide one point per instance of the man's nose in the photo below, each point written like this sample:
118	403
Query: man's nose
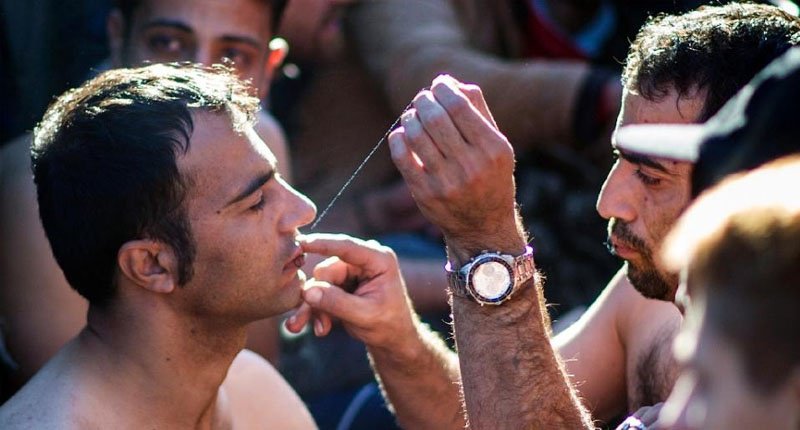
616	196
203	55
301	212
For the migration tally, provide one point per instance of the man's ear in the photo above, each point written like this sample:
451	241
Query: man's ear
149	264
278	50
115	29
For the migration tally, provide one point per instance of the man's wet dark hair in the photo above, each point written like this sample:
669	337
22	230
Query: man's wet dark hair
104	163
716	49
128	7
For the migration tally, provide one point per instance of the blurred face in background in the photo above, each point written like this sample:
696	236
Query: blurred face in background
199	31
313	29
714	390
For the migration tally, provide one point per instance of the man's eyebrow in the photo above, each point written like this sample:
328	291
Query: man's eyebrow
164	22
252	187
642	160
243	39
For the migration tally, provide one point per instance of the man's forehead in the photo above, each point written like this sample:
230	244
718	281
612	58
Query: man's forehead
669	109
227	17
221	158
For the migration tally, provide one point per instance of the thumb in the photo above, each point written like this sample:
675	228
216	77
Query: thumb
336	302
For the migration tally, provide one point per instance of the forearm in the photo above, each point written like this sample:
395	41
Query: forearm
533	102
421	384
510	374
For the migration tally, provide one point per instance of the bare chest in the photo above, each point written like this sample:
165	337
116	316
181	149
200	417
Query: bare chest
651	370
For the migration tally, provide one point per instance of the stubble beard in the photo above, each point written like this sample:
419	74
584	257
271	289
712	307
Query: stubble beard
643	275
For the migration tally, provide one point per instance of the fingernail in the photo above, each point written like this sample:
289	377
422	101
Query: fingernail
397	147
444	77
318	327
407	115
313	296
292	319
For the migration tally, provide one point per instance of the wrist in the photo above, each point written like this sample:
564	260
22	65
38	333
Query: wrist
528	299
462	247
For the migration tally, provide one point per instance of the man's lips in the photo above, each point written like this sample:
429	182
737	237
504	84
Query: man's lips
297	261
622	250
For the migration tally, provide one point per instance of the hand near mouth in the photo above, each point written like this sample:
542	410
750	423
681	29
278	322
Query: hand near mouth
359	284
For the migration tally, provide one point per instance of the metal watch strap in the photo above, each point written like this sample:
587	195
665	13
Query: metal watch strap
523	267
523	271
457	281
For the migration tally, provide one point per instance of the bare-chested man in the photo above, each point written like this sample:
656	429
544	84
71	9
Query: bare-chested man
164	210
736	246
39	311
680	69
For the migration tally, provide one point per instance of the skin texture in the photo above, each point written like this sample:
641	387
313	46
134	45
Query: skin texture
713	391
241	237
642	197
179	347
40	311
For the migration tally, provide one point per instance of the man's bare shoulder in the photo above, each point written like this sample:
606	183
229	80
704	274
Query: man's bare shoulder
259	394
51	399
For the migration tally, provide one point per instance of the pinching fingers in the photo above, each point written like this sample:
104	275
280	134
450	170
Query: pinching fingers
332	300
474	127
299	319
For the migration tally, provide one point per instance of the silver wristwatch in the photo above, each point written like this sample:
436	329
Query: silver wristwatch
491	278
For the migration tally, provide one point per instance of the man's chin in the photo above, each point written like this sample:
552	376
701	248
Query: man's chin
650	283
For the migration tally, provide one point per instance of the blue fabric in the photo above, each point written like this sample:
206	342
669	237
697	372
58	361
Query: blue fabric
360	408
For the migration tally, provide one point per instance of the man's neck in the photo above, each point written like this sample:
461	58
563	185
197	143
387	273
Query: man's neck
156	366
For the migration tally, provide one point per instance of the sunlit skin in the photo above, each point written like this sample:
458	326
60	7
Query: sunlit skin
180	30
245	220
714	392
642	197
172	354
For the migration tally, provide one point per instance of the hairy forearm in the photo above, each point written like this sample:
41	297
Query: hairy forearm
511	376
422	383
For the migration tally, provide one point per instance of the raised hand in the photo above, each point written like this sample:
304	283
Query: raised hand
459	168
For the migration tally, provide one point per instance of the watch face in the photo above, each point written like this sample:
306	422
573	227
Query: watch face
491	280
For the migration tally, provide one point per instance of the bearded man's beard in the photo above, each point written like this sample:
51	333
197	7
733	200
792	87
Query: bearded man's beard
644	275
